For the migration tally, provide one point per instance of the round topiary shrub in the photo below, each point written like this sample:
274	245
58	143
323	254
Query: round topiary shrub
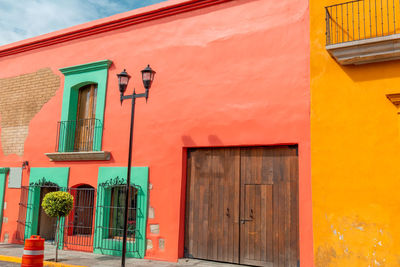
58	204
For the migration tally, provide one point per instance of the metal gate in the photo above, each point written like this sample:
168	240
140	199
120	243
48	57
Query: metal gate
31	217
78	227
22	208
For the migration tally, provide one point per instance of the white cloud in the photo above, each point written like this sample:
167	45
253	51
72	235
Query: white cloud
21	19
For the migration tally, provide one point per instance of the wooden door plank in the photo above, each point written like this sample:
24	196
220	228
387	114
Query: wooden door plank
257	165
275	212
204	207
286	242
244	245
288	203
242	241
210	231
250	199
199	220
281	227
189	203
257	222
219	177
294	222
269	224
197	205
225	184
267	166
213	209
235	195
230	166
264	205
292	247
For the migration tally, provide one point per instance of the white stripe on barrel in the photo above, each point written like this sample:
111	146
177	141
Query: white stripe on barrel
33	252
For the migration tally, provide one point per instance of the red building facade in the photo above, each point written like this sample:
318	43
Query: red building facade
221	149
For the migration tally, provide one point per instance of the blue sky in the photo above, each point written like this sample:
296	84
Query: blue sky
21	19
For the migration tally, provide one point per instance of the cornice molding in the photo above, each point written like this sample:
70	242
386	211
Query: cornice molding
93	66
111	25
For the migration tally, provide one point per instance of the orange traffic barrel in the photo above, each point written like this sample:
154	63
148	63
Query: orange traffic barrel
33	252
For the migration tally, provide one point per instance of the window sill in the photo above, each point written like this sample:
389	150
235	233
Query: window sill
79	156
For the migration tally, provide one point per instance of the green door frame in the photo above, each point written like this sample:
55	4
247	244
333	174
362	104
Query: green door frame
3	176
38	176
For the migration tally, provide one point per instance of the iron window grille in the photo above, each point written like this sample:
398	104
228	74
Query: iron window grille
110	216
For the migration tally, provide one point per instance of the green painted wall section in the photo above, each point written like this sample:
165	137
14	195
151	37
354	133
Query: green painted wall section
3	174
75	78
58	176
139	177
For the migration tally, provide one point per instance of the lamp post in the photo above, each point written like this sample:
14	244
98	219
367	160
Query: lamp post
123	80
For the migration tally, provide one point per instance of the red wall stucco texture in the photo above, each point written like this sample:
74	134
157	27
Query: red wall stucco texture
234	74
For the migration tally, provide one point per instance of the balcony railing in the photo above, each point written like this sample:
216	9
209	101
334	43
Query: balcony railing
361	19
79	136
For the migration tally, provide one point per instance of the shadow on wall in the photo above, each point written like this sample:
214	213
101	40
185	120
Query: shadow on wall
372	71
213	140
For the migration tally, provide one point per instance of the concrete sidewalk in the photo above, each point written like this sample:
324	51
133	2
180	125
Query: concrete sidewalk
69	257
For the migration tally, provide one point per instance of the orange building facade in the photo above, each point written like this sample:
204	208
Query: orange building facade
355	132
227	118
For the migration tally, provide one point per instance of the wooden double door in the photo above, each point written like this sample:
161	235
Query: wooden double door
242	205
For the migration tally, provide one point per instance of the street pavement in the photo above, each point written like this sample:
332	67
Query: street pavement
90	259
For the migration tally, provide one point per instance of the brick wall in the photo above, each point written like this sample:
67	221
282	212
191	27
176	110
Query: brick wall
21	98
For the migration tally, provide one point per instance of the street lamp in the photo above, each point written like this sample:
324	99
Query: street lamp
123	80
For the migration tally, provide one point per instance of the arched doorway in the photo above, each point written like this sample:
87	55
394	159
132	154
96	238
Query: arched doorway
79	224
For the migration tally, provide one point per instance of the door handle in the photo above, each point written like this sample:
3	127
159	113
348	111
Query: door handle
251	216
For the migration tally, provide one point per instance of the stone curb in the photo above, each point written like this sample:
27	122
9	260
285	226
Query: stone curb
45	263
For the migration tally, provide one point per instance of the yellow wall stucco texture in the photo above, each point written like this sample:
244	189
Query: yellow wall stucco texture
355	151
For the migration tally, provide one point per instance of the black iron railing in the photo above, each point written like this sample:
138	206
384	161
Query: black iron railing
361	19
79	135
